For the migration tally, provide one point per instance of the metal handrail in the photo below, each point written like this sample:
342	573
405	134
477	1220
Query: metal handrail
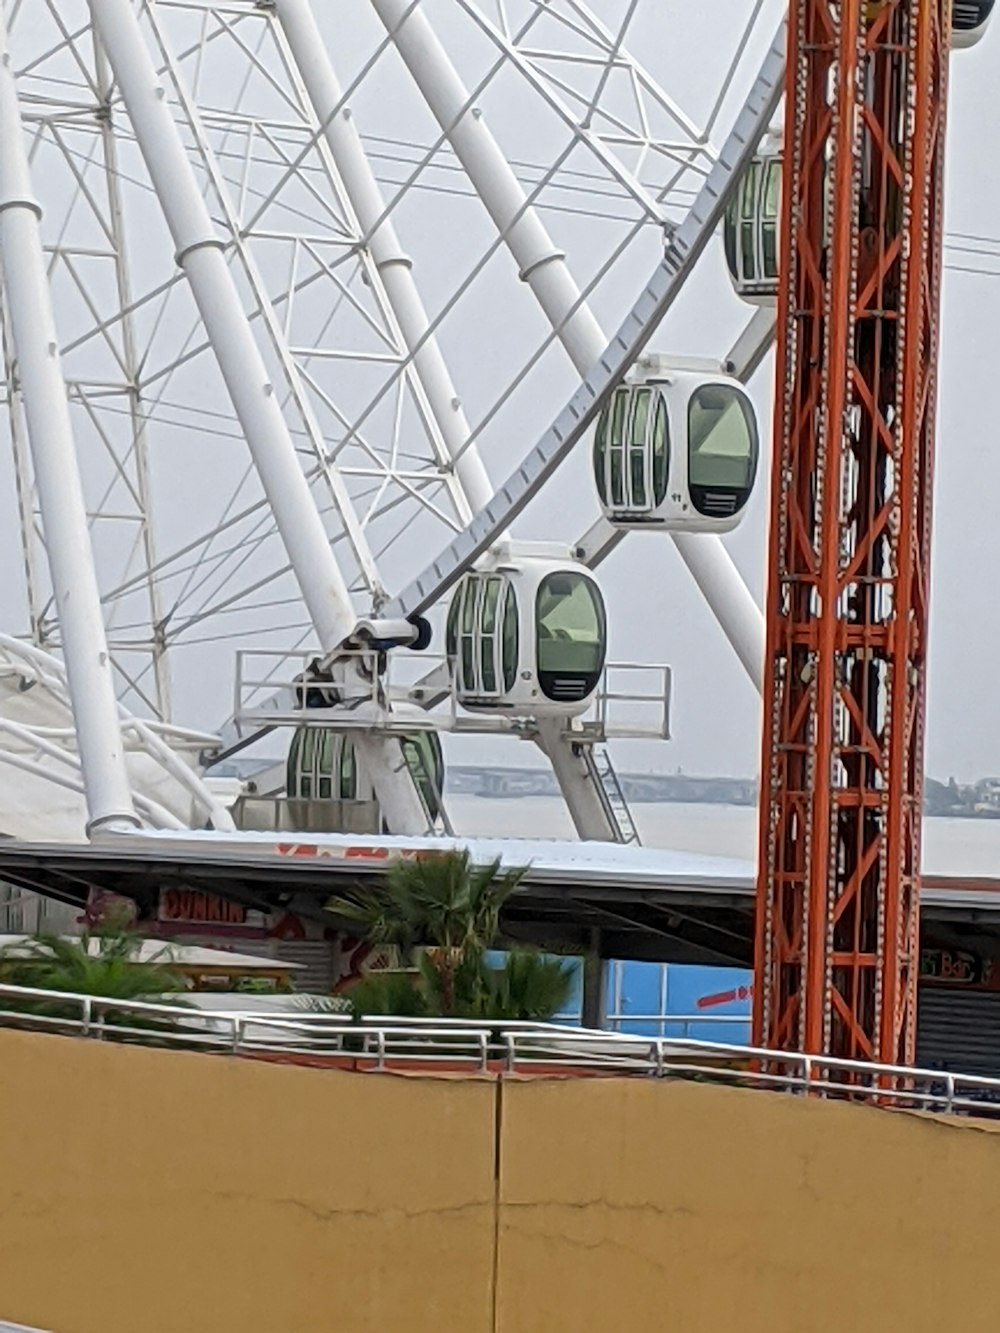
616	1021
269	695
485	1047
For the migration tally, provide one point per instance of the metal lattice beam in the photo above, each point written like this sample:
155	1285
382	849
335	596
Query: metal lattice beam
850	528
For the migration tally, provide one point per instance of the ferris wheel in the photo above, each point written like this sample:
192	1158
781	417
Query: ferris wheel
304	308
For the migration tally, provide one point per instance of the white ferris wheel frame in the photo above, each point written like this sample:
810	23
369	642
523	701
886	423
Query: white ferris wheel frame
126	65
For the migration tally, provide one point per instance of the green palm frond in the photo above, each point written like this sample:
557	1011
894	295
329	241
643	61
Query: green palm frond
444	912
389	993
437	900
104	965
530	987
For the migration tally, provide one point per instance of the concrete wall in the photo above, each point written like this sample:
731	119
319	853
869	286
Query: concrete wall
638	1205
162	1192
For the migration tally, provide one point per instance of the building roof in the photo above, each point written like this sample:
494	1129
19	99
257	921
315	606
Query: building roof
190	957
629	902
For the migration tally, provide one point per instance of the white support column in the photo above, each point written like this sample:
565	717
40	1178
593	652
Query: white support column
305	41
60	491
542	265
712	568
201	255
544	268
579	783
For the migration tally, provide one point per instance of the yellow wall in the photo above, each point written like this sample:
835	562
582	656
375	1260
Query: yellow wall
638	1205
162	1192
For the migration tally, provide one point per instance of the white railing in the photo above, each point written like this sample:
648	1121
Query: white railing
631	701
335	1040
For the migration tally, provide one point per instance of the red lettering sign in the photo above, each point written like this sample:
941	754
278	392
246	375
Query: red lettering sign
192	905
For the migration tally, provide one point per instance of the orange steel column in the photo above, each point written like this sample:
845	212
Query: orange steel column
842	774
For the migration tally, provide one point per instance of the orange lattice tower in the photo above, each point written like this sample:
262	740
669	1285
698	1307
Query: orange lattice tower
837	946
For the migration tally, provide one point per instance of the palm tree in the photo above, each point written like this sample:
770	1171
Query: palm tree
530	986
450	909
101	963
441	902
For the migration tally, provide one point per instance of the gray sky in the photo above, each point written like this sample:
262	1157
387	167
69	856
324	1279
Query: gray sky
656	613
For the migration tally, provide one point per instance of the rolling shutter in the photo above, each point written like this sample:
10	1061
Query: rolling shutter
316	958
959	1030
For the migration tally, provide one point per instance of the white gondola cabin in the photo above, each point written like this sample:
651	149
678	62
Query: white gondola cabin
969	21
676	449
751	228
527	636
323	765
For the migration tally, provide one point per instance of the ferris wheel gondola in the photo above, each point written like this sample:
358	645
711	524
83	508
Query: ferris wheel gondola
750	227
323	766
969	21
527	637
677	449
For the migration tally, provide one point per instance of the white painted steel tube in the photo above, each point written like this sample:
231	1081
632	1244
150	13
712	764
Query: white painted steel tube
578	781
57	477
200	253
203	799
541	264
325	94
544	268
722	586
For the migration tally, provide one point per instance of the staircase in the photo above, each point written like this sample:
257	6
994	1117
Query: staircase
613	797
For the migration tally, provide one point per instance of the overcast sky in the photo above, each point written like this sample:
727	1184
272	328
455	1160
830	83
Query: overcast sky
656	613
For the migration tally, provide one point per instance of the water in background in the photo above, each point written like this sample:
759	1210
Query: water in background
964	847
643	996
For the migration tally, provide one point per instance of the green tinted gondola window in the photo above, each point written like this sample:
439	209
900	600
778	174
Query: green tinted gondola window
451	631
770	209
324	769
723	444
601	455
293	765
661	452
511	639
571	627
616	447
348	772
470	598
488	642
638	447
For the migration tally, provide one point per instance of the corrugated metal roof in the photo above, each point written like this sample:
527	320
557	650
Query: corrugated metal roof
180	955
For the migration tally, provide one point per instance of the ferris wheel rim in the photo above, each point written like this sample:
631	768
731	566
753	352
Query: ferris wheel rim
218	571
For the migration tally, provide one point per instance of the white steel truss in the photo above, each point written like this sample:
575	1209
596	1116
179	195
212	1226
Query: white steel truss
362	276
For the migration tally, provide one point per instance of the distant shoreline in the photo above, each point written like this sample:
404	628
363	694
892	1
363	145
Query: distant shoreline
640	788
500	784
951	800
